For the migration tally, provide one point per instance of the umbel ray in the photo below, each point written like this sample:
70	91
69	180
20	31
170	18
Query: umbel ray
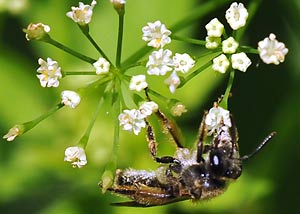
202	172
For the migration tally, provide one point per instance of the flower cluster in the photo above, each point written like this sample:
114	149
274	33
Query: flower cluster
236	17
134	119
111	76
270	50
161	61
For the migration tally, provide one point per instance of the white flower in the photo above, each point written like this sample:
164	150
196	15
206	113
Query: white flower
183	62
138	83
220	64
216	118
147	108
70	98
82	14
159	62
214	28
240	61
229	45
13	133
76	156
102	66
173	82
50	72
132	120
236	15
157	34
272	51
36	31
212	42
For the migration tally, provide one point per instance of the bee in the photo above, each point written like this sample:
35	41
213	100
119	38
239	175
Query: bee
200	173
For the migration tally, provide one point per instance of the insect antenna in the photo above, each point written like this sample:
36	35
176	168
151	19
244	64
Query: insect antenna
263	143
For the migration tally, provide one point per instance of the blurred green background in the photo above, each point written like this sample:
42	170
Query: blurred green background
33	176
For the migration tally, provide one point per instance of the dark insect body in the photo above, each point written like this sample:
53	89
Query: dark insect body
200	173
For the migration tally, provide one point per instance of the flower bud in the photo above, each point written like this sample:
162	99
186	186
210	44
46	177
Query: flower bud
37	31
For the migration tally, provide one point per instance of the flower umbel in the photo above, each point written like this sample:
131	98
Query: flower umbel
102	66
36	31
272	51
82	14
156	34
76	156
236	15
132	120
70	98
240	61
159	62
50	73
138	83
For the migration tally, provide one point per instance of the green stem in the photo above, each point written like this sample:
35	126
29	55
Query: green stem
224	102
156	94
29	125
248	49
69	73
96	46
189	40
83	141
195	73
120	39
69	50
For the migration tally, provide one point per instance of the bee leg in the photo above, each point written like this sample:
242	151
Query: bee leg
200	142
150	136
168	124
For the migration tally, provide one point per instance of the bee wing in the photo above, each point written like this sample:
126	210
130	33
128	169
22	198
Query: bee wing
145	196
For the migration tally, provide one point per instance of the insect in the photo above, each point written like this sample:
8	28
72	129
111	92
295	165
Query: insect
200	173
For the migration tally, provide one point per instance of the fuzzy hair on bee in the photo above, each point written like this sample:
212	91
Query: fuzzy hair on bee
199	173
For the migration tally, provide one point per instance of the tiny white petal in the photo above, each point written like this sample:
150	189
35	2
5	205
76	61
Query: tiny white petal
147	108
132	120
156	34
49	73
138	83
236	15
214	28
220	63
212	42
76	156
70	98
229	45
102	66
271	51
183	62
216	118
82	14
240	61
173	81
159	62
